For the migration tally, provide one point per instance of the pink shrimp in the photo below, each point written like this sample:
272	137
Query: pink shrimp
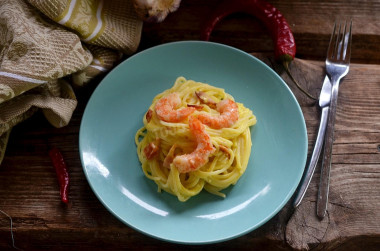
229	114
165	109
196	159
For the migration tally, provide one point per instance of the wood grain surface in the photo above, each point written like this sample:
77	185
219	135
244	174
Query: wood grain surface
29	191
311	21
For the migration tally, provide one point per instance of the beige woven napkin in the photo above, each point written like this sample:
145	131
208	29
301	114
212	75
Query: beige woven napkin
48	46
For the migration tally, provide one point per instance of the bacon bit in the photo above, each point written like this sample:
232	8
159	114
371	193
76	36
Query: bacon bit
198	107
205	99
224	149
151	150
169	158
149	115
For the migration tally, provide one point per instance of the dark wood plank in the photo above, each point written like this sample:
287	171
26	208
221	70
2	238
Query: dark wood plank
311	23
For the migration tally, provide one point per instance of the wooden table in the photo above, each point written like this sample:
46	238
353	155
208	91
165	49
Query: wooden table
28	185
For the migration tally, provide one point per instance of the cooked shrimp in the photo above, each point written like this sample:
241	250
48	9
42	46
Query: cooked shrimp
196	159
229	114
165	109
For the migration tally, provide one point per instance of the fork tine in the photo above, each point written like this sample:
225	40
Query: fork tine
347	55
337	39
340	42
343	42
341	50
330	50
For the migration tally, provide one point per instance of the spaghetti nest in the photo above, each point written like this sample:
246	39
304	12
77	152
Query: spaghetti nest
163	146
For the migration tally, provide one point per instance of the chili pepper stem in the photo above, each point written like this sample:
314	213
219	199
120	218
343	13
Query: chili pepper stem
286	66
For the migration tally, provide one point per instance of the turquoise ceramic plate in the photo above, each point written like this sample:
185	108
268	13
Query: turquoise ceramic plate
114	114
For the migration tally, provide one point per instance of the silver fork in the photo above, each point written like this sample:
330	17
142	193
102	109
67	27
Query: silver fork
337	66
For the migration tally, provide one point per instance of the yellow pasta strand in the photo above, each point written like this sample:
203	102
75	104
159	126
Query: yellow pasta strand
225	166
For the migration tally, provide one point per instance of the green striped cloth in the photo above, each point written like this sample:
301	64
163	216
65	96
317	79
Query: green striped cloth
46	47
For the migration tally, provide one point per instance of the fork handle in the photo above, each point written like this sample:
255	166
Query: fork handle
314	157
323	191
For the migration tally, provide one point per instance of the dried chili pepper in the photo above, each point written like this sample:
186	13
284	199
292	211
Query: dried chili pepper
285	46
62	173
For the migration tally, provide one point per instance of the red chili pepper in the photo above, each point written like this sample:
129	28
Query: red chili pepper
285	46
62	173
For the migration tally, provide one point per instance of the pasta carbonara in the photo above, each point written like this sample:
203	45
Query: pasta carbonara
195	136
